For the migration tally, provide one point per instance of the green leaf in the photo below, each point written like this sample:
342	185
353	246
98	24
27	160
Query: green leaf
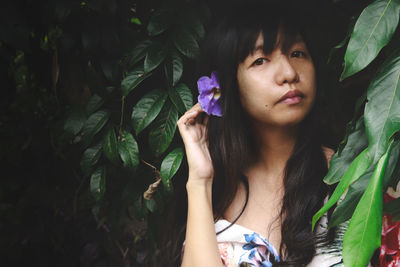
357	141
342	43
133	79
151	204
182	97
163	129
363	235
147	109
170	166
94	104
90	158
128	150
194	25
98	183
382	111
357	168
393	208
186	43
94	124
110	145
138	52
160	21
155	56
373	30
173	67
75	121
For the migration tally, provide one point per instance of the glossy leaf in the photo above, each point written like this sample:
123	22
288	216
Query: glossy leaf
147	109
363	235
90	158
155	55
186	43
128	150
382	111
133	79
98	183
75	121
94	104
94	124
139	52
163	129
182	97
357	168
110	145
373	30
357	142
160	21
170	166
173	67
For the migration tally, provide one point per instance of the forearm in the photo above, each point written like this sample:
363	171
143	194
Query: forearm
201	247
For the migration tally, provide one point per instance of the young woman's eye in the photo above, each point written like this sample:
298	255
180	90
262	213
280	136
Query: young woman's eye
298	54
260	61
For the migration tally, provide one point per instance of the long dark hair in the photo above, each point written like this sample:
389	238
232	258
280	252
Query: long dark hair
231	143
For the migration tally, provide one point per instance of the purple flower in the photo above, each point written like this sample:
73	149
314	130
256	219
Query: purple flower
209	94
259	251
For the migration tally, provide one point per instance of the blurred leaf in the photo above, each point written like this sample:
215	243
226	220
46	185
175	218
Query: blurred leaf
98	183
194	25
174	67
138	52
357	142
357	168
110	145
163	129
133	79
182	97
382	111
151	204
155	55
94	124
75	121
393	207
128	150
363	235
147	109
90	158
138	210
343	43
160	21
94	104
186	43
373	30
170	166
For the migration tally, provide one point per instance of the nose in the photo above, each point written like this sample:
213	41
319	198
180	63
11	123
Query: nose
286	73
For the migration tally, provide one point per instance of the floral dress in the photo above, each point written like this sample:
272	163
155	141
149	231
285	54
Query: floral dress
239	246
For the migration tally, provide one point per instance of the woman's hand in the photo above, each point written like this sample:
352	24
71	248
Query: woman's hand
193	131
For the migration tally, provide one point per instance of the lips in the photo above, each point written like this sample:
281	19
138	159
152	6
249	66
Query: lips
291	97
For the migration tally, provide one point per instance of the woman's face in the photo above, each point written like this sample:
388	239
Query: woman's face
277	89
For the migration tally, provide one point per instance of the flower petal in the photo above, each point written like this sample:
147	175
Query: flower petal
204	84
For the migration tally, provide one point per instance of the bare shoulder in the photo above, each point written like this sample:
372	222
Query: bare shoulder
329	152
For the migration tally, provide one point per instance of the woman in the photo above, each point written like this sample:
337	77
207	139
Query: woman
260	165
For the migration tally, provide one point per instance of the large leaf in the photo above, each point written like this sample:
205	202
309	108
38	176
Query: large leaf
155	55
382	111
133	79
98	183
373	30
160	21
94	124
138	52
357	141
90	158
357	168
75	121
147	109
94	104
182	97
110	145
170	166
185	41
128	150
163	129
363	235
173	67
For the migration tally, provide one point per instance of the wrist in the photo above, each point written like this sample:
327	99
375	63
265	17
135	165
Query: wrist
196	184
